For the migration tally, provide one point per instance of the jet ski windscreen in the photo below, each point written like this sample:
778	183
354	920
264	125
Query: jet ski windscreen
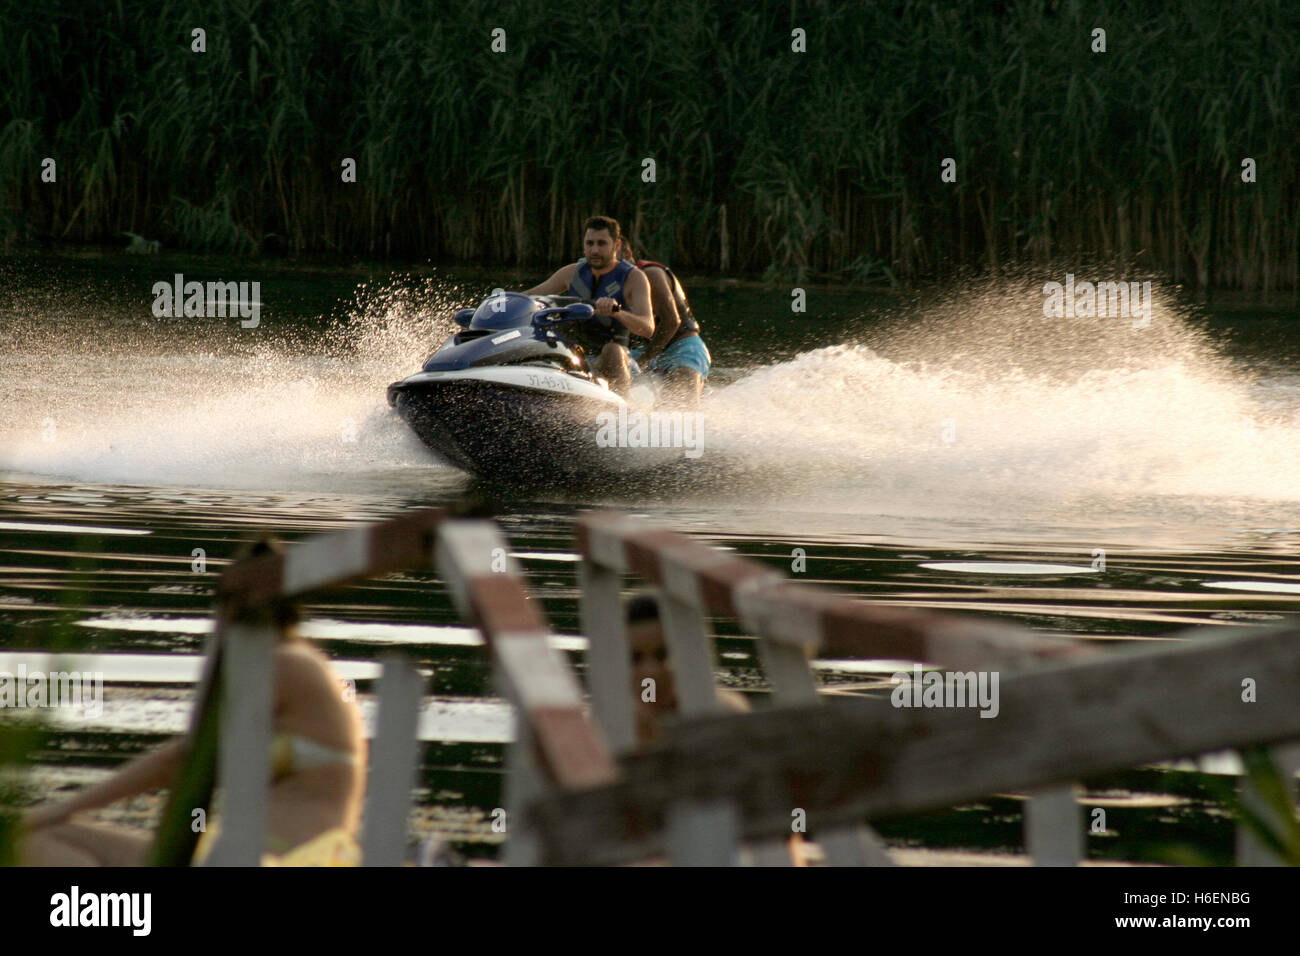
508	310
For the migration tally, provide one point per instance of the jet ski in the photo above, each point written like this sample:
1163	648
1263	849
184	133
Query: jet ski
511	397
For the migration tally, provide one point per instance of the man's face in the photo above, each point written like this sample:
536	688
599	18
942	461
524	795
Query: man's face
599	247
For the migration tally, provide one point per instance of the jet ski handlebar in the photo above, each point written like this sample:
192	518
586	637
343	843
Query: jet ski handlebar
559	310
581	310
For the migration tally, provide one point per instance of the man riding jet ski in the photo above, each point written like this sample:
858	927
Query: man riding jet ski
620	291
511	397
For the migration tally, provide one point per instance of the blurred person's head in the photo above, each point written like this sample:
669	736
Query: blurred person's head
282	613
653	687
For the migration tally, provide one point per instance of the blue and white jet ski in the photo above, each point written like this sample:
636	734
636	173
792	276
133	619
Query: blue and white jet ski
510	397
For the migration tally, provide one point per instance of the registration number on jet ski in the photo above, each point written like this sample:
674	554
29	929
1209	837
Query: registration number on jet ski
550	381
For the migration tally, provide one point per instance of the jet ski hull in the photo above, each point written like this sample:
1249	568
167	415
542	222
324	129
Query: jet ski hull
520	424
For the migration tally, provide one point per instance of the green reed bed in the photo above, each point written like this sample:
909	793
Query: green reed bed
824	163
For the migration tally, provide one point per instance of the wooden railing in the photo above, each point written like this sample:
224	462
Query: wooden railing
1066	711
235	695
722	788
793	623
557	745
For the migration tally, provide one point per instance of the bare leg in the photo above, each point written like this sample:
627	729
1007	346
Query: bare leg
682	386
612	365
85	844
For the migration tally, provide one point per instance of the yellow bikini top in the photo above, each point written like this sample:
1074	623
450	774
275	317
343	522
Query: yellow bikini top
290	753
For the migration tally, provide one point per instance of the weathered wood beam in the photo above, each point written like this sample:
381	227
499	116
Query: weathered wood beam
330	560
813	620
862	759
571	752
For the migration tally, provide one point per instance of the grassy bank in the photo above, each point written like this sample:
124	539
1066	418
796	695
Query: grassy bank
824	163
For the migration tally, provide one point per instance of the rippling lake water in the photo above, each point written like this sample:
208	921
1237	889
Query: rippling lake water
951	448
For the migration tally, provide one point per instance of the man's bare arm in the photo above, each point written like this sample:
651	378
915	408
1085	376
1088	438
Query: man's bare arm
638	315
556	284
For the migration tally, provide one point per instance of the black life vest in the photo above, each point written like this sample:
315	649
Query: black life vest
689	326
611	284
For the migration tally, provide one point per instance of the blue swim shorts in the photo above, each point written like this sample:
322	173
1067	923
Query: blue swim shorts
689	352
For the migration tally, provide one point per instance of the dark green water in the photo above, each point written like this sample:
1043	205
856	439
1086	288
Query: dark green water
880	433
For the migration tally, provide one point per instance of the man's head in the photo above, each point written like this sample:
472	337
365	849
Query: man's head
601	241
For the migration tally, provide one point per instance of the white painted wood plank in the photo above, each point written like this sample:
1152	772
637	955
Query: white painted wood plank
794	684
1054	827
787	669
609	666
690	652
325	558
764	611
523	785
680	566
533	673
243	759
774	852
605	541
470	549
702	834
394	754
854	845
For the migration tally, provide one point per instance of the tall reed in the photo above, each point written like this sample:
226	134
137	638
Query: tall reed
826	162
